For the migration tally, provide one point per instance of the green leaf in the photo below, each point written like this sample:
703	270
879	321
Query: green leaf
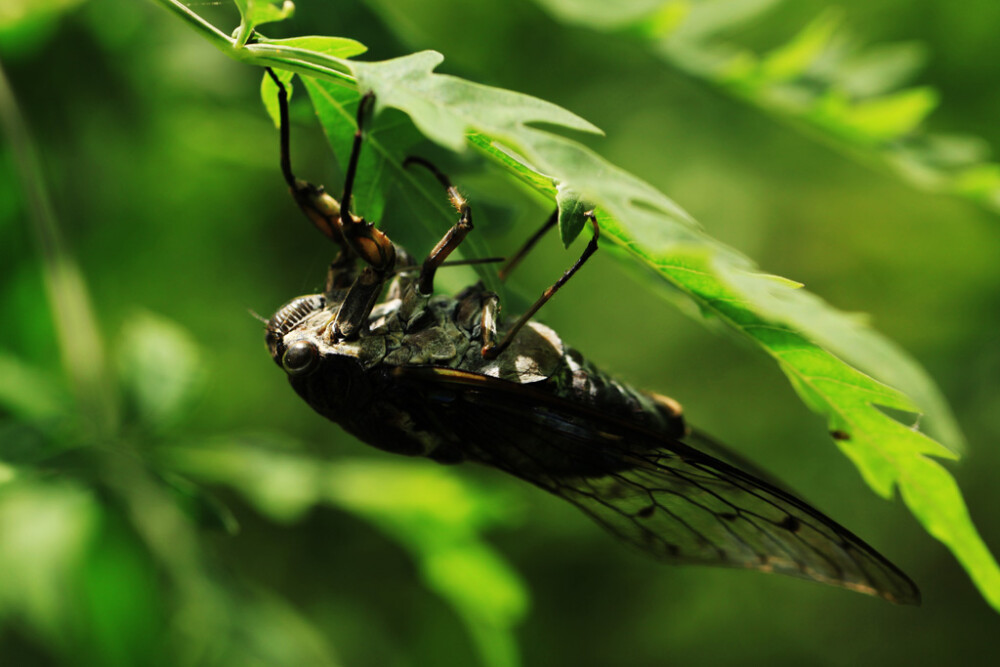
882	118
338	47
437	518
257	12
443	107
572	211
825	81
388	141
879	69
795	58
605	14
269	93
268	630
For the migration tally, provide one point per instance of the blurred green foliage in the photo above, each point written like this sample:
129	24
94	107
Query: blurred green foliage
118	538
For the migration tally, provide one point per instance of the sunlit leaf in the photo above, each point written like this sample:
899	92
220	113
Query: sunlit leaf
869	113
258	12
795	57
884	118
338	47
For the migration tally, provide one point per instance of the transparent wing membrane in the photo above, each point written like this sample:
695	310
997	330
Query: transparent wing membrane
661	495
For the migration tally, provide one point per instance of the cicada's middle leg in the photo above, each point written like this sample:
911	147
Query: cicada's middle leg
491	303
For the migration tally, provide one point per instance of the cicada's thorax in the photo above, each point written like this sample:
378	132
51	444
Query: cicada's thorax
353	382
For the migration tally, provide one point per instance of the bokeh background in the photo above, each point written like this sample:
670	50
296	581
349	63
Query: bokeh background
118	545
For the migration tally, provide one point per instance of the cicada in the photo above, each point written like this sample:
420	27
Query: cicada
421	374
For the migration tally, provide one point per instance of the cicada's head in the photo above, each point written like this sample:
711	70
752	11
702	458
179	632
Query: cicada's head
298	356
328	374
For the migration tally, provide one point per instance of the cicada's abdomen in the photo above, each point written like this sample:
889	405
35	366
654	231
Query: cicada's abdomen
581	382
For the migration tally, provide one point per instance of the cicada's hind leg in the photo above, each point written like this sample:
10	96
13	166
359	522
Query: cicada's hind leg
453	237
491	305
507	268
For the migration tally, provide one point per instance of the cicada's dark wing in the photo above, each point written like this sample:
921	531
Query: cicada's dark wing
661	495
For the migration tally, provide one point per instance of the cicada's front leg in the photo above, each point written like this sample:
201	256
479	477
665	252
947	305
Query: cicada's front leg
356	237
319	207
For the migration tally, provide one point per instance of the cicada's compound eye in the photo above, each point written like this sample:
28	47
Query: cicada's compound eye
300	357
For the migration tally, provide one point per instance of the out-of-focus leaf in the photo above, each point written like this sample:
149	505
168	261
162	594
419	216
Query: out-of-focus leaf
436	518
793	59
879	69
120	618
821	79
27	393
881	118
269	631
430	511
161	368
25	24
45	530
268	470
205	509
606	14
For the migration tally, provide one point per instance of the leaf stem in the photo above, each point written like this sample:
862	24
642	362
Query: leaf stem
295	59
